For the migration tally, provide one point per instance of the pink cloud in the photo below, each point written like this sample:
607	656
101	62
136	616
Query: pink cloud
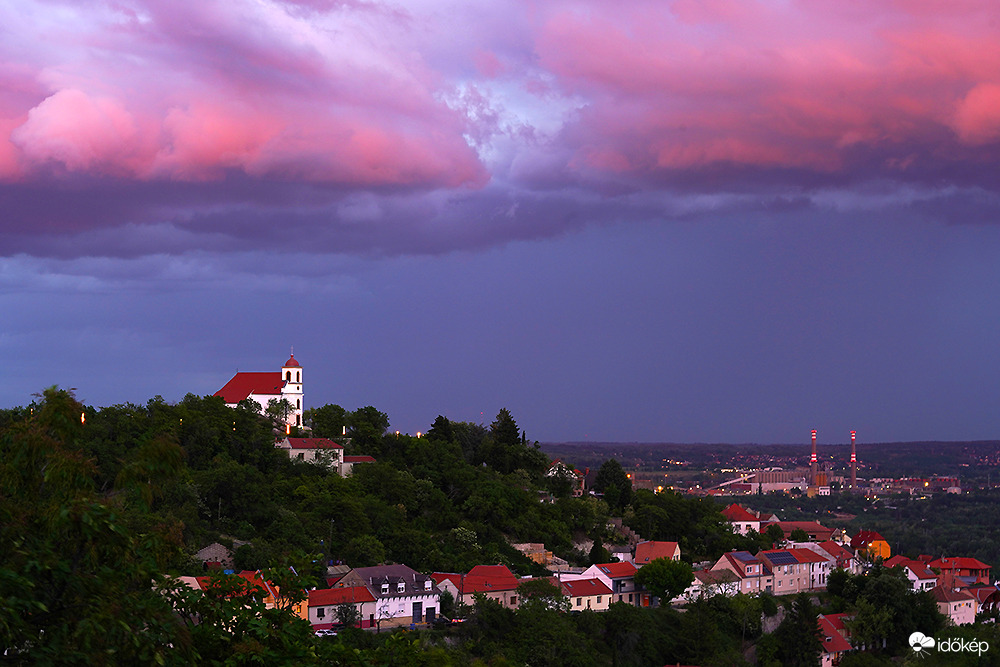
977	120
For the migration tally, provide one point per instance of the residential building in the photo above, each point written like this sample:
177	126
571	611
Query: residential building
314	450
754	574
961	571
347	465
619	577
709	583
262	388
323	605
651	550
495	582
817	565
872	544
920	576
742	520
790	575
834	643
576	477
958	606
592	594
402	595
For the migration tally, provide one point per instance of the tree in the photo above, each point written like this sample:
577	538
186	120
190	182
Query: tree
799	535
328	421
665	578
278	410
773	536
541	593
347	615
798	635
615	484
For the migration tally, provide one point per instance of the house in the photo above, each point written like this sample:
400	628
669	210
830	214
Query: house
843	556
814	531
789	573
986	598
958	606
591	594
871	543
960	571
650	550
402	595
314	450
577	478
619	577
754	574
741	519
495	582
709	583
817	565
323	605
347	465
262	388
920	576
835	645
252	584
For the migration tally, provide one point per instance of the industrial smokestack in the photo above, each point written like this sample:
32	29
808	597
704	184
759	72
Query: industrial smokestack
854	462
812	459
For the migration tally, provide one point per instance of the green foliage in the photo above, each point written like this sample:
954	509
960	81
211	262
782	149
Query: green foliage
797	639
613	482
665	578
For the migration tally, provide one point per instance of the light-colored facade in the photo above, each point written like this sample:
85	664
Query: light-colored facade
262	388
592	594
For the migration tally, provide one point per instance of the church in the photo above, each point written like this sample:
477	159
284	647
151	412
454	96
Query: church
264	387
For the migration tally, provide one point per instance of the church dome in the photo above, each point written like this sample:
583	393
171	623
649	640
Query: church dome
291	362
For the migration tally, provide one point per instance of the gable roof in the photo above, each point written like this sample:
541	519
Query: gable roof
486	578
373	577
832	641
360	458
310	443
332	596
945	594
244	384
735	513
864	537
617	570
582	587
807	556
651	550
809	527
959	563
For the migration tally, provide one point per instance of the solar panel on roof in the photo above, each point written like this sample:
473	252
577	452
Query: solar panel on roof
782	558
744	556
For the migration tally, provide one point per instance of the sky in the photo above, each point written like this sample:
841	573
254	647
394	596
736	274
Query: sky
655	221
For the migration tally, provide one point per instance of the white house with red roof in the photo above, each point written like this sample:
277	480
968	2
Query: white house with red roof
314	450
742	520
619	577
832	638
920	576
961	571
592	594
323	605
263	387
496	582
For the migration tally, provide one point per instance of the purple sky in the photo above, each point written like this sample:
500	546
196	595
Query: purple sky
712	220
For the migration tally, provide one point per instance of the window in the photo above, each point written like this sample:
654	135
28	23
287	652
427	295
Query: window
579	602
513	599
427	585
320	612
298	376
298	404
629	597
400	587
598	599
385	589
288	376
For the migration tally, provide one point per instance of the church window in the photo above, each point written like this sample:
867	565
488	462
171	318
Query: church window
298	376
288	376
298	404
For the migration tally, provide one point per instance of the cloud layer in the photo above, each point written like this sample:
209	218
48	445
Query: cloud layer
139	127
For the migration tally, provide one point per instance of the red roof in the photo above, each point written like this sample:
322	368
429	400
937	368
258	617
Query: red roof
832	641
735	513
359	459
865	537
312	443
486	578
617	570
959	563
651	550
582	587
291	362
836	550
944	594
244	384
340	596
807	556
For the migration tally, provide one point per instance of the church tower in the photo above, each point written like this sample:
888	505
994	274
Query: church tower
291	374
